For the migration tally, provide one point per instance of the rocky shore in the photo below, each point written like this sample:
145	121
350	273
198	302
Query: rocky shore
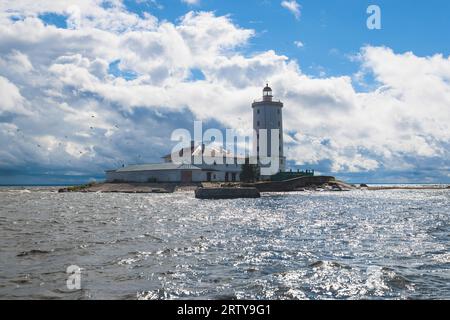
307	184
131	188
423	187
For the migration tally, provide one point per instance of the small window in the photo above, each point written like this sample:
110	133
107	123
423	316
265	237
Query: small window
278	111
257	123
279	124
257	111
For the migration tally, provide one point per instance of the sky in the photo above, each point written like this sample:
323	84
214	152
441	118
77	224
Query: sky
90	85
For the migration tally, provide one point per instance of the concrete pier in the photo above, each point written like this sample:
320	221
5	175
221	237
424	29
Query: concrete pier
226	193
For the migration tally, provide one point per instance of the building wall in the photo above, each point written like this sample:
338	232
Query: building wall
221	167
169	176
198	176
216	176
218	171
145	176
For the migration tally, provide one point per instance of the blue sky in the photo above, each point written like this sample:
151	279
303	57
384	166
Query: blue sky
329	30
91	84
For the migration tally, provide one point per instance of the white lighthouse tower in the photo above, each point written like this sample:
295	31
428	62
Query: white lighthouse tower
268	114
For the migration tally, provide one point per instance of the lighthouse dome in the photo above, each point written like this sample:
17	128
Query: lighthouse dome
267	93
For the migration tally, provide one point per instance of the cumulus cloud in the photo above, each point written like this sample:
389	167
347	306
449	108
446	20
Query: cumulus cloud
64	108
11	101
404	118
293	7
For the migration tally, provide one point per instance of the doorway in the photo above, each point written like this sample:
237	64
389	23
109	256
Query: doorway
186	176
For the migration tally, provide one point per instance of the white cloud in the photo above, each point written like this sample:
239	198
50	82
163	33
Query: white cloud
11	99
299	44
191	2
65	110
293	7
16	63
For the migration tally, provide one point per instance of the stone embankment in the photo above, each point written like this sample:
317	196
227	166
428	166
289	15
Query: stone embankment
293	184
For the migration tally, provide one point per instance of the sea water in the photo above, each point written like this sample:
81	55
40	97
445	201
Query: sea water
391	244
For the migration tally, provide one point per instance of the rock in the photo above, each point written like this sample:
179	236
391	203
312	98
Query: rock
80	188
226	193
291	185
159	191
336	188
363	185
33	252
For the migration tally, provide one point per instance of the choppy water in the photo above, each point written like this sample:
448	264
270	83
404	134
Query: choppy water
357	245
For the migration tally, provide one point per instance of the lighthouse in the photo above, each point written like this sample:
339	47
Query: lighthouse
268	115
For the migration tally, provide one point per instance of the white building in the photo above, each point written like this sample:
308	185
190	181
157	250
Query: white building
268	115
217	164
